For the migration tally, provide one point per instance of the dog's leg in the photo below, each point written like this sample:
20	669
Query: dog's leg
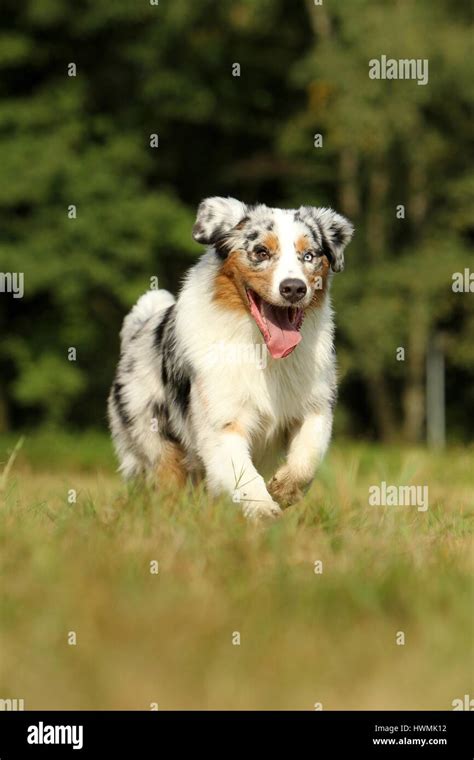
229	469
171	472
308	444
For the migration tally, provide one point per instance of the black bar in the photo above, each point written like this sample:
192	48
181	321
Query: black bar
420	734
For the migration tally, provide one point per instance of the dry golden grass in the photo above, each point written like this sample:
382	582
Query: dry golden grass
167	637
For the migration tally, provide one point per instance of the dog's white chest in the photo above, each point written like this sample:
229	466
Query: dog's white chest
278	391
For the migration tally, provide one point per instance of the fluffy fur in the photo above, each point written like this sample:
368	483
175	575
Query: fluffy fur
197	392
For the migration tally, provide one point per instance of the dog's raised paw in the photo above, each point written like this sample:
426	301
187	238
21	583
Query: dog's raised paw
284	489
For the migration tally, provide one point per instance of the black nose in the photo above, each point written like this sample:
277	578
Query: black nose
293	290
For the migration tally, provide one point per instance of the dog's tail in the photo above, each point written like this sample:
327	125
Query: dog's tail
149	305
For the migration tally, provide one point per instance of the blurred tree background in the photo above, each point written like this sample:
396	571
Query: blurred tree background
167	69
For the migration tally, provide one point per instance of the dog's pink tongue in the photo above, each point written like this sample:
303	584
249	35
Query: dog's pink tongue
281	335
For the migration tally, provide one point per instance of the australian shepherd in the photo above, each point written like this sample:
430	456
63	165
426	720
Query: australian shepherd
236	378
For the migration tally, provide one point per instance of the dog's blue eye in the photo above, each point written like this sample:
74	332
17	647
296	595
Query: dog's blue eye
308	256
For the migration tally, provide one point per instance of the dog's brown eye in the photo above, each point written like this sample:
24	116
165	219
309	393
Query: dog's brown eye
261	253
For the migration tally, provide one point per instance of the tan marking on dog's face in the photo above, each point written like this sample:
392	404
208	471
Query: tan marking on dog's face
317	275
235	276
270	241
228	288
302	244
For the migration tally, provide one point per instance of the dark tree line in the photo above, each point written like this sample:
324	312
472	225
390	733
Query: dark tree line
89	211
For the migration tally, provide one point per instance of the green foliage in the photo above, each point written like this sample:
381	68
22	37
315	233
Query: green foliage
167	69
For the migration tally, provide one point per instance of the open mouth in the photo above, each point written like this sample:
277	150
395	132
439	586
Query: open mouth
279	325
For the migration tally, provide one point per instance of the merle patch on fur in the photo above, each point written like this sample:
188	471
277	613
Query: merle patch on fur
159	332
175	374
120	405
161	414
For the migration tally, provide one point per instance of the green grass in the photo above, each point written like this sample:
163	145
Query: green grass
167	638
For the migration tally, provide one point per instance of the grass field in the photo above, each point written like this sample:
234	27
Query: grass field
167	638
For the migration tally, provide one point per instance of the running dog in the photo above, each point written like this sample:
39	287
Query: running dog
240	368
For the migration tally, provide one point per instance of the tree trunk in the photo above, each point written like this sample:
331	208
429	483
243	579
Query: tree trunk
348	190
418	201
414	392
377	211
319	19
4	416
380	402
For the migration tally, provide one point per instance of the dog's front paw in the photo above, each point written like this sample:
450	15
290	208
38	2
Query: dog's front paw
255	501
262	510
284	488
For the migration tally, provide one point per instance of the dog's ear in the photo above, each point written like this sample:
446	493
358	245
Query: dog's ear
215	217
335	231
